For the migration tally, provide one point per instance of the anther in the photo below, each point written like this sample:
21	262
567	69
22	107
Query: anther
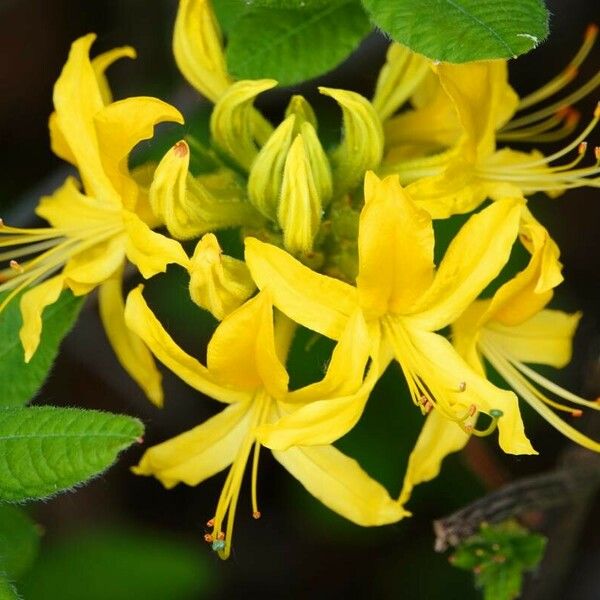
221	536
597	111
256	514
16	266
472	410
582	149
208	538
180	149
425	403
597	152
591	31
210	523
462	386
576	412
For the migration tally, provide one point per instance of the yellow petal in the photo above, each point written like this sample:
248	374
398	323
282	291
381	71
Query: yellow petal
241	353
198	48
447	371
149	251
233	121
402	73
191	206
87	269
122	125
342	485
302	110
140	319
546	338
474	258
33	303
68	208
322	421
395	249
361	147
101	62
218	283
438	438
199	453
299	211
131	352
77	99
320	303
465	335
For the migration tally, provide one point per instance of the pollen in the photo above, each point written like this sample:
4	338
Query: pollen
181	149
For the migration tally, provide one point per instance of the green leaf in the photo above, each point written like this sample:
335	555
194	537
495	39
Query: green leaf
294	45
45	450
7	591
120	565
19	541
300	4
19	382
463	30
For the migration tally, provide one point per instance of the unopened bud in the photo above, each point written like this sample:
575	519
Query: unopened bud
218	283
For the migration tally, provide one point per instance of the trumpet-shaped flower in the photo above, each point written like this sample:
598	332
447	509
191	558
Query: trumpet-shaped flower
468	108
514	328
245	370
404	301
91	234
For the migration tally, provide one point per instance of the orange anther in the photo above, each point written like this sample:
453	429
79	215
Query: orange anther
597	152
208	538
256	514
472	410
210	523
576	413
582	148
221	536
180	149
591	31
597	111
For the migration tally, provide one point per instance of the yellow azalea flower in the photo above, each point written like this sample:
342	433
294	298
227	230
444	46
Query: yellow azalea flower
92	233
514	328
468	111
244	369
403	300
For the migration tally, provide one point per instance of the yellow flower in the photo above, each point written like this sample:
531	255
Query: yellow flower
92	233
468	108
245	370
514	328
403	300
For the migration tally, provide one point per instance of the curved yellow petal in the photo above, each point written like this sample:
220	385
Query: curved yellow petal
361	147
122	125
402	73
395	249
446	371
87	269
140	319
199	453
233	123
33	303
130	350
218	283
342	485
320	303
546	338
77	99
474	258
438	438
68	208
321	421
241	353
149	251
198	48
101	62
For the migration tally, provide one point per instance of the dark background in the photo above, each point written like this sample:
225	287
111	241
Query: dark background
298	548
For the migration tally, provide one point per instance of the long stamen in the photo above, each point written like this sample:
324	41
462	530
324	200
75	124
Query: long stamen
545	131
566	76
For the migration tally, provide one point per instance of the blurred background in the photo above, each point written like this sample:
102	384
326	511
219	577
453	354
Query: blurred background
123	536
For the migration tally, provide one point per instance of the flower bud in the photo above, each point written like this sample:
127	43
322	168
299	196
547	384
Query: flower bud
218	283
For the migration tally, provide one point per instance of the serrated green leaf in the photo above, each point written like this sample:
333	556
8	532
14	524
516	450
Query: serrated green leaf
119	565
294	45
19	541
45	450
302	4
19	381
7	590
463	30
